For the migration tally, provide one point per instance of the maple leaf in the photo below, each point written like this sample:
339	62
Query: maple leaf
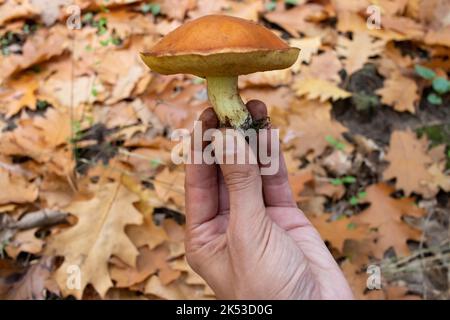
310	124
399	92
98	234
338	231
358	50
385	213
319	89
408	163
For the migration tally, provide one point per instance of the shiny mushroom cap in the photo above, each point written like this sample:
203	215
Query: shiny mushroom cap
218	45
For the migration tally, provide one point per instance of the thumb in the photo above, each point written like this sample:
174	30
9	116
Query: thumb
240	170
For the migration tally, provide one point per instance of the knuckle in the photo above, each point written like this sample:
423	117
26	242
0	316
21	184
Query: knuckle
240	180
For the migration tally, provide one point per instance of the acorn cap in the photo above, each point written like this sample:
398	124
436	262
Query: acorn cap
218	45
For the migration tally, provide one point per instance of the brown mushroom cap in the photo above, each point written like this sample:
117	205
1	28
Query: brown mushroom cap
218	45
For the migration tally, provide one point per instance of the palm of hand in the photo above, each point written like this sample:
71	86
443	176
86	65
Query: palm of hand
247	238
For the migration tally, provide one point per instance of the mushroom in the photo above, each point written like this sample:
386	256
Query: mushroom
220	48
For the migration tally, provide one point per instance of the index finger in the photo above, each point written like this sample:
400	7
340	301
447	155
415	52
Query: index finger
201	187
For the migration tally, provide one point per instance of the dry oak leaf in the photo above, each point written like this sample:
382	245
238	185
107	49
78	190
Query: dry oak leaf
404	25
325	66
408	163
24	241
338	231
319	89
353	22
176	290
13	9
45	139
16	188
272	78
358	51
357	279
43	45
169	185
21	93
385	213
301	19
147	234
98	234
308	46
310	124
148	262
399	92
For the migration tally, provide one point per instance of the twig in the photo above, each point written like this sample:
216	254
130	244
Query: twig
41	218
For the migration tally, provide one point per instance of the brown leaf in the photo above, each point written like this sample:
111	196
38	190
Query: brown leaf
299	19
408	163
399	92
310	124
149	261
16	188
98	234
358	51
169	185
338	231
385	213
45	44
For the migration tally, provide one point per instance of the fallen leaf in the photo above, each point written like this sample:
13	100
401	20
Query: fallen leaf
319	89
310	124
358	51
16	188
89	244
340	230
399	92
410	172
385	213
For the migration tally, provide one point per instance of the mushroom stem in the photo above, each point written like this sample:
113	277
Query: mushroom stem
224	96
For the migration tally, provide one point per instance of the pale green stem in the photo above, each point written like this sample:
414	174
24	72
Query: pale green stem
224	96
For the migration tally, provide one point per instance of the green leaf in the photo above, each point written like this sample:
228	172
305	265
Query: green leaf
425	72
156	9
433	98
291	2
336	182
41	104
116	41
270	6
351	226
354	201
88	17
104	43
335	143
362	195
154	163
441	85
94	92
349	179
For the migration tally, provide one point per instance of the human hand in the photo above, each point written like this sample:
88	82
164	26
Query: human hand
247	238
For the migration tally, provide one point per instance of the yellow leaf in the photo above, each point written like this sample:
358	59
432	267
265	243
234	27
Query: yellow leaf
319	89
98	234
